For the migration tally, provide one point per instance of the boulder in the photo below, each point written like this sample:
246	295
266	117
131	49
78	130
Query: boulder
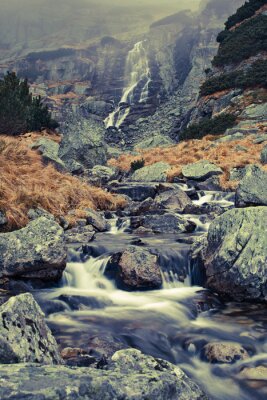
155	141
224	352
252	190
135	269
35	252
236	255
255	111
260	139
81	234
96	220
201	170
264	155
165	223
24	334
172	198
3	219
101	175
147	206
49	150
136	191
131	375
152	173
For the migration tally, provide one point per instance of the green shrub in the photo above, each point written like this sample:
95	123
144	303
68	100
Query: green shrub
138	164
207	126
245	41
19	110
256	75
244	12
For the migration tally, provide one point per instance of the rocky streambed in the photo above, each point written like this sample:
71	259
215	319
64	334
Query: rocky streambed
147	278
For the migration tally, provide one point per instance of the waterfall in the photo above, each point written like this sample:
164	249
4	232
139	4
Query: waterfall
136	90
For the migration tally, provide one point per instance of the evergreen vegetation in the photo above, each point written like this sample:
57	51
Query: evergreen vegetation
137	164
244	12
207	126
19	110
253	36
256	75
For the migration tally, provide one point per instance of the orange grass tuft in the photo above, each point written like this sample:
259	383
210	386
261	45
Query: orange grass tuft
25	182
224	155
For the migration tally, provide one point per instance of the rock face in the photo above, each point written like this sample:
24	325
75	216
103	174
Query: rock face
25	336
236	258
131	376
201	170
152	173
225	352
135	269
35	252
49	150
252	190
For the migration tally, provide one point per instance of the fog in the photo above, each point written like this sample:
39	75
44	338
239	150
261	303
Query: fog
39	24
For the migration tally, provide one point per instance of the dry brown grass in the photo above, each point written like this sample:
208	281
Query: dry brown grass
25	182
224	155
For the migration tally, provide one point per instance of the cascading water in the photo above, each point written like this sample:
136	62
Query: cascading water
172	323
136	90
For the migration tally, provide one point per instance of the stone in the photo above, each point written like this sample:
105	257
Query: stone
264	155
38	212
155	141
147	206
136	191
135	269
230	137
236	255
255	111
152	173
260	139
252	190
76	357
83	234
24	334
224	352
3	219
101	175
37	251
49	150
172	198
201	170
76	303
131	375
166	223
96	220
258	373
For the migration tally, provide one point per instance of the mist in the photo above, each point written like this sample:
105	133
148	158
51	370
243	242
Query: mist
43	24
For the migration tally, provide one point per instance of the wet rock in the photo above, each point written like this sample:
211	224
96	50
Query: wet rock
152	173
131	375
137	191
258	373
104	347
100	175
236	257
166	223
76	357
252	190
24	333
264	155
97	221
82	234
201	170
35	252
147	206
224	352
172	198
84	302
135	269
49	150
209	184
196	259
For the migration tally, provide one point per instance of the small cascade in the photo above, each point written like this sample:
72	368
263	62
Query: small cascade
87	276
119	226
137	80
222	199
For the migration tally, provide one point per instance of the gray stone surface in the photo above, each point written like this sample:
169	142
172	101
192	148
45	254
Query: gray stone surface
166	223
49	150
135	269
172	198
252	190
131	376
35	252
136	191
201	170
224	352
24	335
255	111
155	141
3	219
100	175
264	155
236	258
152	173
95	219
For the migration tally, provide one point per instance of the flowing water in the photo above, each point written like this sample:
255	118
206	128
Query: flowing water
136	90
173	323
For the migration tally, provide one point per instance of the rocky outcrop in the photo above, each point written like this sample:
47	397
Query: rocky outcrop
135	191
252	190
37	252
24	334
152	173
172	198
131	375
165	223
49	150
100	175
201	170
135	269
236	257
